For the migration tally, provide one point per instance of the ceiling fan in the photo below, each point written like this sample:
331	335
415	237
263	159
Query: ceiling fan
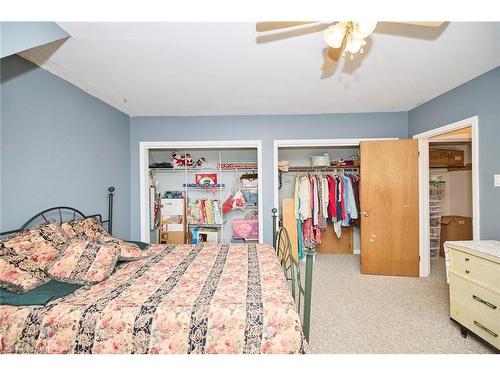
341	37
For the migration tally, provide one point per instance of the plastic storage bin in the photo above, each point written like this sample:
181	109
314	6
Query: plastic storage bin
246	229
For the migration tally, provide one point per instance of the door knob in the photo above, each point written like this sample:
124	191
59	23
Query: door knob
364	213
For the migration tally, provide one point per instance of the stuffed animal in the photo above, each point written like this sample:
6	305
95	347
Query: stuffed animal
178	160
200	162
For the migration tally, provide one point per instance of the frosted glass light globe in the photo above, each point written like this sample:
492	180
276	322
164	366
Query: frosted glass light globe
364	28
353	44
334	35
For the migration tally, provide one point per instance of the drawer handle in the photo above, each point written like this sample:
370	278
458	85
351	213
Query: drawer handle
467	259
485	302
486	329
467	271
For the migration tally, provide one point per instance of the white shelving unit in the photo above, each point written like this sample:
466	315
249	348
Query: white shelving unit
437	191
178	179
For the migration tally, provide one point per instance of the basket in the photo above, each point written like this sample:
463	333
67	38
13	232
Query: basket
320	161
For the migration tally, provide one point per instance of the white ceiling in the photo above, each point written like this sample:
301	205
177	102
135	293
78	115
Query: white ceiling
147	69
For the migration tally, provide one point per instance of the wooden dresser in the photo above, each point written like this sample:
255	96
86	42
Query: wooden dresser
474	277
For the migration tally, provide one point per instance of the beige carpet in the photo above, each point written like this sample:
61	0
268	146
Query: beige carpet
355	313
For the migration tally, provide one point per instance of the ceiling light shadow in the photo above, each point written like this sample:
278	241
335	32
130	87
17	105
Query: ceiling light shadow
290	33
350	66
410	31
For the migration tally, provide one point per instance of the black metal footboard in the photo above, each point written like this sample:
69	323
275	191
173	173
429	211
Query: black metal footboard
301	288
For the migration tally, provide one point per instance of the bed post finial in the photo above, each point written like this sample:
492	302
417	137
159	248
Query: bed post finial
111	190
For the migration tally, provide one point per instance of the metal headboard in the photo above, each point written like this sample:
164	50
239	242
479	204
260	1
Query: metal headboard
61	214
291	268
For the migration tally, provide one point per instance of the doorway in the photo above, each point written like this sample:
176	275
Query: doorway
448	187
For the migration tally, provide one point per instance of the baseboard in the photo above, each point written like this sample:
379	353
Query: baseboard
356	251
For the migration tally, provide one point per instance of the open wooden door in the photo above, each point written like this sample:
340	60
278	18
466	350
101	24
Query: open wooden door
389	203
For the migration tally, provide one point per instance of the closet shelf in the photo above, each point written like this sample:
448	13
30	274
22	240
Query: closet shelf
329	168
204	225
177	170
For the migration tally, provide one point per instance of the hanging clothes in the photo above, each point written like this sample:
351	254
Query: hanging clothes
305	198
321	202
320	198
298	217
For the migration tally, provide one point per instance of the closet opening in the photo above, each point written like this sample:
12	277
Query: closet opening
359	168
318	197
450	189
201	192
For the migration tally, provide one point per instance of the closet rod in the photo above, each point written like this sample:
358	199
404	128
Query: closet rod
324	169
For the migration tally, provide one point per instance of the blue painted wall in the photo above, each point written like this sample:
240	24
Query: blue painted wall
481	97
59	146
266	128
16	37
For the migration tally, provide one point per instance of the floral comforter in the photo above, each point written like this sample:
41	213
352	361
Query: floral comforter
217	298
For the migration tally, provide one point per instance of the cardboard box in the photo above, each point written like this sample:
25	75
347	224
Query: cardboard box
172	237
455	228
206	235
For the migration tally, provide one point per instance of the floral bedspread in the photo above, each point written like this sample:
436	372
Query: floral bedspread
212	298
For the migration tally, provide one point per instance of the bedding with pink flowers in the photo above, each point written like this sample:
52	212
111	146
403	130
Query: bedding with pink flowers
204	298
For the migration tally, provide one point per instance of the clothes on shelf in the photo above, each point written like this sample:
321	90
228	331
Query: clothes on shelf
321	198
204	211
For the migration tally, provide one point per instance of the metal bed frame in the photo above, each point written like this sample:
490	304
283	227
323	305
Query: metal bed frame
301	287
47	216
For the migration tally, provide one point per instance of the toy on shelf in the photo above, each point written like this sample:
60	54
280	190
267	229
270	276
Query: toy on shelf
199	163
183	161
178	160
173	194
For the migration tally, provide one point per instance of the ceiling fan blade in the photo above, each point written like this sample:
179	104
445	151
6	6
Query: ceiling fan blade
332	55
275	25
290	33
423	23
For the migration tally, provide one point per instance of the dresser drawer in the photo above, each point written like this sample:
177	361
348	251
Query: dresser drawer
472	267
474	320
478	299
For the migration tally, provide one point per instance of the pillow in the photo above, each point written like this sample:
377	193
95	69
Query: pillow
128	250
84	262
24	257
51	232
19	274
39	244
84	228
21	243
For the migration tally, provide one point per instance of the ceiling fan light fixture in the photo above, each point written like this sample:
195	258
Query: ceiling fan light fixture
363	29
334	35
353	44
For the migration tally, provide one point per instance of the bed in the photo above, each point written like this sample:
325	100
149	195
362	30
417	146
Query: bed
204	298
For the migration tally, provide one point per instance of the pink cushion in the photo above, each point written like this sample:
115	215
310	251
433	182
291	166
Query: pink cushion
248	229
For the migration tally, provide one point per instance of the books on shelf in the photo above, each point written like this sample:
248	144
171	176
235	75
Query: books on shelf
204	211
